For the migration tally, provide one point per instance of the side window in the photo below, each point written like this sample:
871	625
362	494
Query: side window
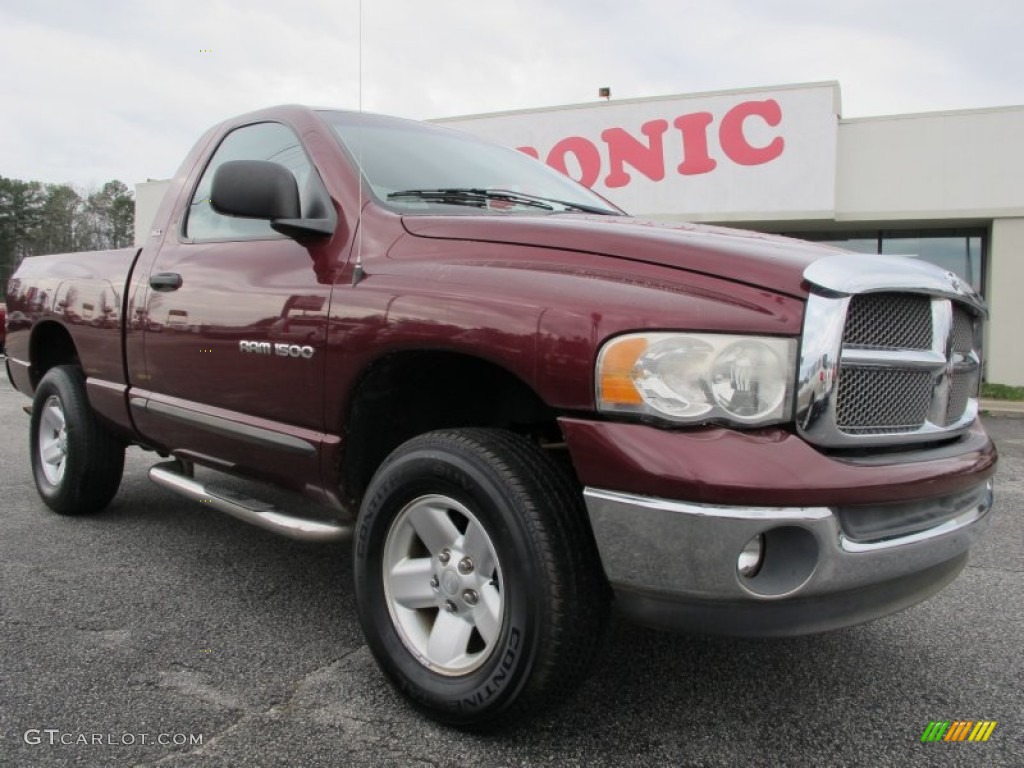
262	141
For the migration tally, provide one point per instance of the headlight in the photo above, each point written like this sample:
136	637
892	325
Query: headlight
692	378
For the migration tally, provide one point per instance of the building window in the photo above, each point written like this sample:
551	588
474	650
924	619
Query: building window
960	251
960	254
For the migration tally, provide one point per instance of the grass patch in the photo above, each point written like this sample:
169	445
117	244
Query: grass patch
1001	392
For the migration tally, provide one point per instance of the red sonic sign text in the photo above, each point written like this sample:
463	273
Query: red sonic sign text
730	156
647	155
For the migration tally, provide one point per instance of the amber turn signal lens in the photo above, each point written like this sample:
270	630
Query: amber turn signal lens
617	363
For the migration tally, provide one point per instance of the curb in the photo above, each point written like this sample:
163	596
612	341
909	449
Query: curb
1002	407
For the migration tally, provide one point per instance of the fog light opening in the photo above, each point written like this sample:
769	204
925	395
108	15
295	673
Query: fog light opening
777	562
751	557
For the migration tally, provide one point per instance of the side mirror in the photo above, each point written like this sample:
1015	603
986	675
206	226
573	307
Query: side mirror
260	189
255	189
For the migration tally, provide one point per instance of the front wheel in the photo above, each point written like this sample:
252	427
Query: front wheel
477	579
76	462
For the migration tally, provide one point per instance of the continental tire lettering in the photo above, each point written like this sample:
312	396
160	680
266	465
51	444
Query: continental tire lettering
497	681
293	350
362	537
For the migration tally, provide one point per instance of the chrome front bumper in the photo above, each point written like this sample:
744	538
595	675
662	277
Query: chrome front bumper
674	563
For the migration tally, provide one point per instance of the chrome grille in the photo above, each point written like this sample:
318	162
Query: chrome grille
963	331
889	321
890	353
875	400
961	387
963	383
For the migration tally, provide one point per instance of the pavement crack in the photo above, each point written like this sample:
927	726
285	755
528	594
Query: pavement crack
307	678
274	710
995	568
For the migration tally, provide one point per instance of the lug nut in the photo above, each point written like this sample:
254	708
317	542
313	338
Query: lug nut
465	566
450	606
435	583
470	597
445	556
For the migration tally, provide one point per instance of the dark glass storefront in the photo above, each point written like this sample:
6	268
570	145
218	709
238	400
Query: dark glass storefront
961	251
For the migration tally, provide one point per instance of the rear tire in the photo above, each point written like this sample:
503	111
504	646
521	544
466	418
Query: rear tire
76	462
477	578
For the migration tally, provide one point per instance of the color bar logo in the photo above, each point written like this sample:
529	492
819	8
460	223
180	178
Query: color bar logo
958	730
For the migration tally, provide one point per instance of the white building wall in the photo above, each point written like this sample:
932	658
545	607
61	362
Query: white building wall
942	165
947	169
1005	351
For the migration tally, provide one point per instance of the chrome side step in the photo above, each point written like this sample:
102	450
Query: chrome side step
171	475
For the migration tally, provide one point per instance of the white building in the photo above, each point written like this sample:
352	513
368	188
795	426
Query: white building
947	187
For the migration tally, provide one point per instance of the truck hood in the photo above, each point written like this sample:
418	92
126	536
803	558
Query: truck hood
765	261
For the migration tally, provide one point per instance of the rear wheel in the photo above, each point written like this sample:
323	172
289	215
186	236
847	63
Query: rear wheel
477	578
76	462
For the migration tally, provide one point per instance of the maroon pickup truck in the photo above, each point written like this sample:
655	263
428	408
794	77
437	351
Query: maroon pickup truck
521	404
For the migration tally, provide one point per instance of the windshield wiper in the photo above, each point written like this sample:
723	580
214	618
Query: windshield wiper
581	207
470	196
480	197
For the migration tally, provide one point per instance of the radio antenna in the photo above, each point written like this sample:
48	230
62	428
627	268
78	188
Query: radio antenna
357	273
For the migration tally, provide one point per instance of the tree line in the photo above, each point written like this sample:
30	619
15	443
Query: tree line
38	218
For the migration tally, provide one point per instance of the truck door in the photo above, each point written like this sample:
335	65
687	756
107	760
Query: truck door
235	329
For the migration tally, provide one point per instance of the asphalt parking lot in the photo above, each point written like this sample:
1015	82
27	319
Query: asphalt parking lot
159	623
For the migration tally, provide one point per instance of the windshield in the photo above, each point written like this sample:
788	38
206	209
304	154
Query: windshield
417	167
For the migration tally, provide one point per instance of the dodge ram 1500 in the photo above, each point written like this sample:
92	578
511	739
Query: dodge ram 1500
520	404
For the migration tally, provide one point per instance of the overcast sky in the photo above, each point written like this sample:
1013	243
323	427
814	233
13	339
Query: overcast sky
94	90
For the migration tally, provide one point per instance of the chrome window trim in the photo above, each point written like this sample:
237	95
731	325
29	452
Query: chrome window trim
834	280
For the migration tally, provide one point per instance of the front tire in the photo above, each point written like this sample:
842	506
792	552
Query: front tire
477	578
76	462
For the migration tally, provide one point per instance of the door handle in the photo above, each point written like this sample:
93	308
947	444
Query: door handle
165	281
